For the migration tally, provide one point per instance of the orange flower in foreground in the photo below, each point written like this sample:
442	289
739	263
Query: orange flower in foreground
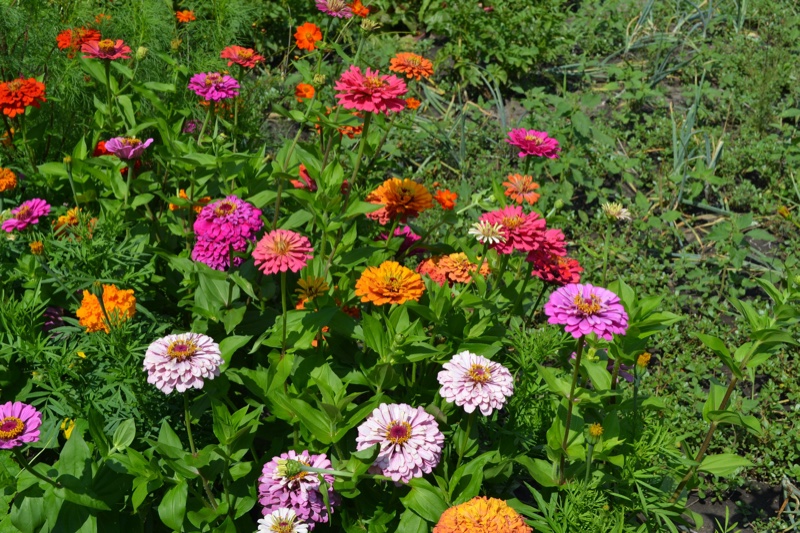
307	36
185	16
359	9
481	515
18	94
412	103
68	220
400	199
37	248
390	283
446	198
303	91
458	268
8	180
521	188
120	305
412	65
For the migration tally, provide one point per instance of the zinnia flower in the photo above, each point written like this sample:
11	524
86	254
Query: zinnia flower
310	288
446	198
409	238
458	268
585	309
17	95
412	65
522	232
556	269
185	16
400	199
335	8
19	424
127	147
8	180
615	211
26	215
213	86
221	226
307	35
431	268
359	9
279	489
106	49
521	188
303	91
390	283
281	520
281	250
409	439
119	305
246	57
181	362
532	142
481	515
413	103
74	39
491	232
306	182
474	382
370	91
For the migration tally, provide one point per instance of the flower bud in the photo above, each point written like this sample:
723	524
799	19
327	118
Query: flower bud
784	212
594	433
141	53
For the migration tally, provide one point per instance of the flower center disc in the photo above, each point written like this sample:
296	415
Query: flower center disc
511	222
181	349
11	427
373	82
399	432
106	45
211	79
393	284
23	212
587	307
225	208
534	139
245	54
14	85
284	526
479	373
131	141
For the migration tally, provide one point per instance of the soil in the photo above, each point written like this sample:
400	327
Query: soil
761	501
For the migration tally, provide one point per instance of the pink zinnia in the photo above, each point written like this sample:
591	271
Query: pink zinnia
281	250
409	238
19	424
585	309
523	232
127	147
532	142
306	182
370	92
217	254
26	215
335	8
300	492
180	362
552	268
246	57
106	49
475	382
221	226
409	439
214	86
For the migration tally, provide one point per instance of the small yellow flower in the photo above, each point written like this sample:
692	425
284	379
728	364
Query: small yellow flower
67	426
310	288
596	430
37	248
82	355
784	212
643	360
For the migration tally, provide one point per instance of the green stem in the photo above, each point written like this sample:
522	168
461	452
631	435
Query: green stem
378	149
107	64
29	468
570	405
605	252
463	448
361	145
536	304
280	179
285	314
187	418
589	452
72	183
131	172
205	123
521	294
615	379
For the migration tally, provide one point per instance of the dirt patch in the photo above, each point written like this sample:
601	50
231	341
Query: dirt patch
761	501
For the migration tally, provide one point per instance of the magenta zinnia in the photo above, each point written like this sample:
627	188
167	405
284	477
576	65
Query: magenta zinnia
26	215
532	142
127	147
19	424
523	232
335	8
281	250
222	227
585	309
474	382
409	439
180	362
213	86
106	49
370	91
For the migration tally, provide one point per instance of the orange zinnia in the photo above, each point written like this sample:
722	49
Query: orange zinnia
481	515
521	188
197	207
307	36
458	268
412	65
400	199
303	91
359	9
412	103
8	180
18	94
390	283
185	16
446	198
72	40
120	305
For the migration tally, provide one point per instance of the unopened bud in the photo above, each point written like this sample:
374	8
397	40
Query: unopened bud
141	53
784	212
369	25
67	160
319	80
175	44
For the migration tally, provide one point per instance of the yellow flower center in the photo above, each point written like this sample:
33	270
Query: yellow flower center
511	222
213	78
373	82
414	61
393	283
533	138
23	212
181	349
284	526
131	141
595	430
226	208
280	246
398	432
245	54
587	307
106	45
14	85
11	427
479	373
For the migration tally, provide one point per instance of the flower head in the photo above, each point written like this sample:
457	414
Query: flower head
181	362
491	232
370	91
299	491
409	439
553	268
585	309
643	360
222	227
458	268
446	198
118	307
303	91
197	206
307	36
335	8
127	147
408	235
106	49
26	215
283	520
8	180
532	142
37	248
401	199
481	515
213	86
413	103
614	211
19	424
73	39
412	65
521	188
359	9
390	283
281	250
246	57
310	288
431	268
306	182
474	382
185	16
19	94
523	232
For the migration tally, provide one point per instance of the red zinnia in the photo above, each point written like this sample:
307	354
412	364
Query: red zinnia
413	103
555	269
73	39
524	232
106	49
359	9
16	95
246	57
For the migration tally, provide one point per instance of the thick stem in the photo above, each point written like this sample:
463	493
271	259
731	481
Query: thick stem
589	452
131	172
107	63
205	123
570	405
615	379
29	468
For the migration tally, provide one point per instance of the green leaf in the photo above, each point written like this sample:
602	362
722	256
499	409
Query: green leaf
542	471
229	345
123	436
411	522
172	508
723	464
554	383
425	500
465	483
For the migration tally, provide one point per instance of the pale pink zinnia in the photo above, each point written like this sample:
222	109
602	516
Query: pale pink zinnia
106	49
474	382
532	142
19	424
26	215
127	147
409	439
370	91
523	232
585	309
299	492
180	362
335	8
281	250
213	86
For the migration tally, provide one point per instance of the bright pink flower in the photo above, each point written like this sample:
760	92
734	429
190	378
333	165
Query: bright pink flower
221	226
370	92
532	142
281	250
181	362
240	55
473	381
19	424
106	49
409	238
585	309
305	182
26	215
214	86
523	232
552	268
409	439
127	147
335	8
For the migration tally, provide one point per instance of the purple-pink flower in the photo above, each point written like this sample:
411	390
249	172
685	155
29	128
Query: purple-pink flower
26	215
127	147
180	362
335	8
474	382
532	142
281	250
409	238
214	86
300	492
221	226
106	49
370	91
409	439
19	424
523	232
585	309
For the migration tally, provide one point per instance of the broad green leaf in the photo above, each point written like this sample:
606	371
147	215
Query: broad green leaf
124	435
172	508
425	500
723	464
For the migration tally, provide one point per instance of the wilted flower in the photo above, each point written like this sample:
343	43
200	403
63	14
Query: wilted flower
19	424
281	250
532	142
306	182
481	515
370	91
474	382
390	283
585	309
181	362
615	211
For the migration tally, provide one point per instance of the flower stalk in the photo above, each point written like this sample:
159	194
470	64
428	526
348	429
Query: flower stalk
570	406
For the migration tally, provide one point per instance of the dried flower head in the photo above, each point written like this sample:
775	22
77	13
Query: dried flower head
615	211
